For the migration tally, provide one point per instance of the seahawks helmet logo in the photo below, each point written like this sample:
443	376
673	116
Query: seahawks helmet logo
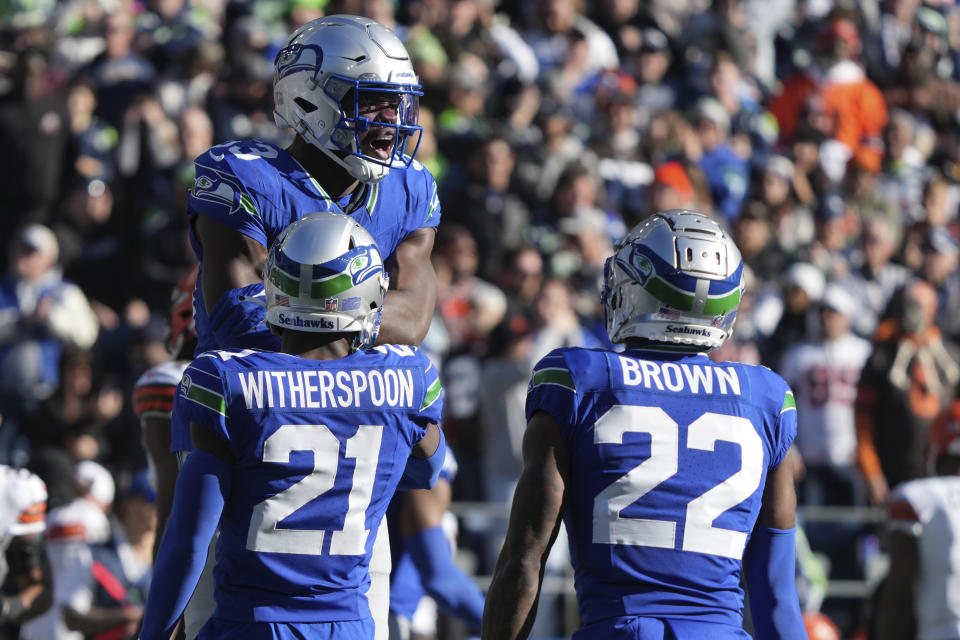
359	263
365	265
286	56
640	267
295	58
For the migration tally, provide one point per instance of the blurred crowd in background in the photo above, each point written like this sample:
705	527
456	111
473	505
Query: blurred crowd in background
823	134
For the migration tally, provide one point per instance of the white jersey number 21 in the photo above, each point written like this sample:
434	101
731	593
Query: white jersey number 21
364	446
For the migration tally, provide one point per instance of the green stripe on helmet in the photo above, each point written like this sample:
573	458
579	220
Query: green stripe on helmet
672	297
668	295
331	286
722	304
284	282
320	288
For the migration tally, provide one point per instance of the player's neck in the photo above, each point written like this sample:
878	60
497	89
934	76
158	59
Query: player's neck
315	346
332	177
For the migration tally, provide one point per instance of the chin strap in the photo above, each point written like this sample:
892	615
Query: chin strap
365	171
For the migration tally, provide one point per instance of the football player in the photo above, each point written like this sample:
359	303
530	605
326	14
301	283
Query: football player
346	87
154	390
921	596
423	559
297	453
666	468
153	396
23	506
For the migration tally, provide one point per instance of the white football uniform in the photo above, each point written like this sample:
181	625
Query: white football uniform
71	529
929	510
23	505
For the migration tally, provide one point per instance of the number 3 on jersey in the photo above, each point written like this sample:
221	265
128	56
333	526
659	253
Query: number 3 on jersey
364	446
699	534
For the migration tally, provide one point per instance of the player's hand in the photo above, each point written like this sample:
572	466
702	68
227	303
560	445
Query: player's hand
877	490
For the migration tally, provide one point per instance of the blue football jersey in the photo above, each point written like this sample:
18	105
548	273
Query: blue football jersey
669	454
258	189
319	448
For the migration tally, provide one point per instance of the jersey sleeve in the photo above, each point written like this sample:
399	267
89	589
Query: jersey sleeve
449	469
225	193
786	424
427	214
552	389
201	398
431	406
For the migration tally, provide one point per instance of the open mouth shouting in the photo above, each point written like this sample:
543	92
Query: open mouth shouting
379	143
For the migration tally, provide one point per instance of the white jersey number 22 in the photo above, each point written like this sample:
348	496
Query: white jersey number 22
699	534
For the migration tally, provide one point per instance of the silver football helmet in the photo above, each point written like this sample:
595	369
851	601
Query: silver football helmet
332	76
324	274
676	278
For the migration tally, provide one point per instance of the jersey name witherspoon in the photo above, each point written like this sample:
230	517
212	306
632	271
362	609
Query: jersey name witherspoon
319	389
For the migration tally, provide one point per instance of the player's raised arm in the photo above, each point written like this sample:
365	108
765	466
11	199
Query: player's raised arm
231	260
203	486
410	302
770	560
535	515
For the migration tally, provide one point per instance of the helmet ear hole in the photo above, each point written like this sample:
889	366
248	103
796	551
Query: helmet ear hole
306	105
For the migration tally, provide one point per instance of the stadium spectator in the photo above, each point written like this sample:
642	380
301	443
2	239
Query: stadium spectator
874	277
35	131
941	257
823	372
119	74
851	107
909	379
42	314
793	222
726	172
802	285
496	218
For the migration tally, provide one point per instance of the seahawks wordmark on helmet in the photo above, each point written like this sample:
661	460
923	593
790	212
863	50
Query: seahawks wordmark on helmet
676	278
325	275
336	73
